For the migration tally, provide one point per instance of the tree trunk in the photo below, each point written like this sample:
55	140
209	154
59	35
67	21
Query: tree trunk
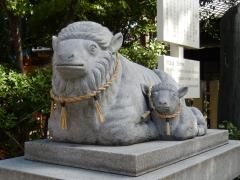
69	17
15	28
143	40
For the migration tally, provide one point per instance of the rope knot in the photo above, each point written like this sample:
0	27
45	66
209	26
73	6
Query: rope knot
63	103
96	97
94	94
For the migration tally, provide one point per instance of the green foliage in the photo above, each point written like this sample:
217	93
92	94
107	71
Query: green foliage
234	132
19	7
20	96
211	26
146	56
47	19
210	23
132	18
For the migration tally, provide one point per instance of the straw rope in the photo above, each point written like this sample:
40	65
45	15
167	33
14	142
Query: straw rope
169	116
162	116
94	94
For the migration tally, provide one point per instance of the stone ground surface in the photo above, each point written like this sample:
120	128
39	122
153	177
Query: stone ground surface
131	160
222	163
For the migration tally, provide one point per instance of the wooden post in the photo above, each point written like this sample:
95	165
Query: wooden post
198	103
213	106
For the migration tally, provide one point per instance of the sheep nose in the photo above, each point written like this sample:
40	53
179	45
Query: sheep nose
66	57
70	57
162	103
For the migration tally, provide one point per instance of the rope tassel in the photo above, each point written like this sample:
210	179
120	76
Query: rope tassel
52	108
63	116
94	94
99	112
167	128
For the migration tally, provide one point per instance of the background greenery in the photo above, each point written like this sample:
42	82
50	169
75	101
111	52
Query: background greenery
20	97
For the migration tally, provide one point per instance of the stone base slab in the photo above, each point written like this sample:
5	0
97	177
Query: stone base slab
131	160
222	163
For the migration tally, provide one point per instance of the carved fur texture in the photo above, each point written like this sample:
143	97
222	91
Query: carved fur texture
84	59
189	123
85	55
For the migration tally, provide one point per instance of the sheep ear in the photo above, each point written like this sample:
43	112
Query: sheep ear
145	89
54	42
182	91
160	74
157	71
116	42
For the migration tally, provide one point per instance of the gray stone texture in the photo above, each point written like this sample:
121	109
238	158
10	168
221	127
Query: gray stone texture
222	163
85	59
131	160
167	100
85	55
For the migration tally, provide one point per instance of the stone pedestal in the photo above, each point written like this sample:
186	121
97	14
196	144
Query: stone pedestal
131	160
209	157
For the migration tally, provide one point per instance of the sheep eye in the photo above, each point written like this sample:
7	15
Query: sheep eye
92	48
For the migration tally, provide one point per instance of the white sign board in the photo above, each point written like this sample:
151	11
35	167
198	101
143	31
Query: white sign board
184	71
178	22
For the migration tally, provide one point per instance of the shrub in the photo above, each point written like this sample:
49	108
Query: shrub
20	96
234	132
146	56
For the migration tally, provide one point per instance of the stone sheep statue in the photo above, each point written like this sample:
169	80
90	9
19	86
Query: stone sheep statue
174	120
96	93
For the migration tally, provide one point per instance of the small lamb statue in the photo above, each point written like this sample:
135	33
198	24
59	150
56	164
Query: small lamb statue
174	120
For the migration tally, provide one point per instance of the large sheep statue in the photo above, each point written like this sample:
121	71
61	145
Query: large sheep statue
174	120
96	93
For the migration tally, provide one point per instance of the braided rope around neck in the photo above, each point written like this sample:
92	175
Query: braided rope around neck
93	94
161	115
169	116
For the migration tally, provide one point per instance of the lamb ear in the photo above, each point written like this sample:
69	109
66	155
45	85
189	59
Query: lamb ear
156	71
54	42
145	89
182	91
116	42
160	74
